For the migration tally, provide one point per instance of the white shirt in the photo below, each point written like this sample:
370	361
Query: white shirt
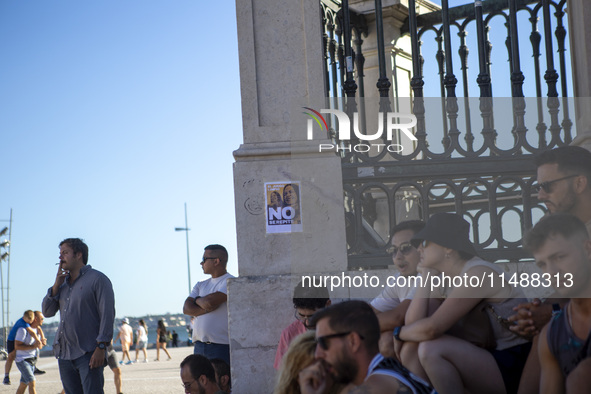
391	297
142	334
212	326
23	336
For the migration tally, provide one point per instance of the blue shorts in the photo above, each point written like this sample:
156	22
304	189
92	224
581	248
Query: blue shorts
27	370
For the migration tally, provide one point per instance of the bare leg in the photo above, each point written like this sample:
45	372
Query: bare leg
410	359
117	379
21	388
9	362
145	354
32	389
530	377
166	351
455	366
158	344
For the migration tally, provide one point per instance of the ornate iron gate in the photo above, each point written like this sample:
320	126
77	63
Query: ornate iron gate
450	168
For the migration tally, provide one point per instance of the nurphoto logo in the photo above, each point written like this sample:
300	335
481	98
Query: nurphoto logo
394	121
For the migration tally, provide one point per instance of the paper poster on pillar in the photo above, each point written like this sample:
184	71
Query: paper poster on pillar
284	214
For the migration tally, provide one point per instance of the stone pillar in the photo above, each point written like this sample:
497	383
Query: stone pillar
280	47
579	32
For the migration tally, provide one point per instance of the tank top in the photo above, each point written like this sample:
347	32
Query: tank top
504	337
567	348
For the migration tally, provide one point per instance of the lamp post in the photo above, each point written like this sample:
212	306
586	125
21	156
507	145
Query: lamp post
186	230
5	256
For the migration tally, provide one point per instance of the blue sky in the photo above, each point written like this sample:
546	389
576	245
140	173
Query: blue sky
113	114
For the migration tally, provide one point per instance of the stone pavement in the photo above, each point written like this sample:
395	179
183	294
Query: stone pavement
158	377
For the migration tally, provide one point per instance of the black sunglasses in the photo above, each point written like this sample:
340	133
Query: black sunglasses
404	248
547	186
323	343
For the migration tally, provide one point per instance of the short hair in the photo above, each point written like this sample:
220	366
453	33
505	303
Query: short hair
569	159
221	252
222	369
29	314
310	297
414	225
199	365
77	246
352	316
556	224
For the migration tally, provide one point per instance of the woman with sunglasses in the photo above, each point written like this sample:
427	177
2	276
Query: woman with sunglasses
452	364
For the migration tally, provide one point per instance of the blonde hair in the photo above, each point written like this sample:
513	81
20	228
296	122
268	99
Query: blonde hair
300	354
29	314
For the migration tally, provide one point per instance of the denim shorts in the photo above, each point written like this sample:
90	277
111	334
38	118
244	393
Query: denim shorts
27	370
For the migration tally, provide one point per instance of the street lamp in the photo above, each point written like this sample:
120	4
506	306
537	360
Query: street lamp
186	230
4	256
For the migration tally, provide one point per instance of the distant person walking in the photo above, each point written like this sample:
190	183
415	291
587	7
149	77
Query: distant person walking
208	303
126	337
142	340
26	355
24	322
175	339
86	303
161	339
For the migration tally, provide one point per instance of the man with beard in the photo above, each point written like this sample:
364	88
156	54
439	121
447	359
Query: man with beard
85	300
562	249
198	376
391	305
347	336
564	181
564	186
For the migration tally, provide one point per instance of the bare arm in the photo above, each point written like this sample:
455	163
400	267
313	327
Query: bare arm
33	334
191	308
460	302
551	380
212	301
18	345
394	317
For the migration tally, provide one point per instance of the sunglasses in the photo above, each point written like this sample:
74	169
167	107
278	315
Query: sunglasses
405	248
323	343
547	186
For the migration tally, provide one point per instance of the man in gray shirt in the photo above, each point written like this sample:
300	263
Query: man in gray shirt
85	300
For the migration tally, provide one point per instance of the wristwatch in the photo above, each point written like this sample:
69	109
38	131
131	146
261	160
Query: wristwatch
102	345
397	333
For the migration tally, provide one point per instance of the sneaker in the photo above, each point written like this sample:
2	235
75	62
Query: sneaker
6	380
129	362
121	362
146	360
38	371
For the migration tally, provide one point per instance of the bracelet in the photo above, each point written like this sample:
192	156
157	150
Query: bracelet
555	309
396	333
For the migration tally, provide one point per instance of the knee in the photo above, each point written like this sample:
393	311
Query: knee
429	352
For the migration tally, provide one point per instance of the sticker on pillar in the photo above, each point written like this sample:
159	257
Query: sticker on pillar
284	214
